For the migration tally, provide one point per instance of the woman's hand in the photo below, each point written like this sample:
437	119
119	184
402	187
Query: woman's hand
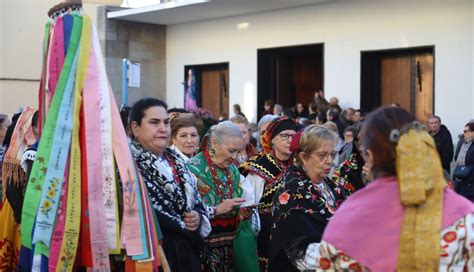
245	213
192	220
228	205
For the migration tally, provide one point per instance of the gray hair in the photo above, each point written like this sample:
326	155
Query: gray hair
224	130
331	126
264	120
313	137
278	108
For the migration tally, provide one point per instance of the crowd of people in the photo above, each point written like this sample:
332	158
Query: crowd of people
310	188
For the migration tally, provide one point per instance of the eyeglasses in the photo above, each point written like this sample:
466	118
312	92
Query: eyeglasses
325	155
286	136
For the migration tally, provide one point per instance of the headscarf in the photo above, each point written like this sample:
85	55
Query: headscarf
22	137
421	194
276	126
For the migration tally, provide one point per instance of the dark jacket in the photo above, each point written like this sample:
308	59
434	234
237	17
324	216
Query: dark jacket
465	187
444	144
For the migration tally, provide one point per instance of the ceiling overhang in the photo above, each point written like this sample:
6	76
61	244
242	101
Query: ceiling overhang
186	11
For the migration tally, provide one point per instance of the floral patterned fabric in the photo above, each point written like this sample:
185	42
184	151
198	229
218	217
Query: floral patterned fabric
457	251
9	239
172	194
349	173
217	254
301	211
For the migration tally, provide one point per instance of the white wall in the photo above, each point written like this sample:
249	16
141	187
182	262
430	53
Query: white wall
21	36
346	28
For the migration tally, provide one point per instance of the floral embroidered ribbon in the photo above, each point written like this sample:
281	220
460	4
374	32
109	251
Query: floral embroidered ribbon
55	169
95	158
73	210
108	166
38	172
131	235
55	59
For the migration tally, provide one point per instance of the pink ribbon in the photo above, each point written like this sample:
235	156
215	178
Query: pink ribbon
58	232
98	224
55	59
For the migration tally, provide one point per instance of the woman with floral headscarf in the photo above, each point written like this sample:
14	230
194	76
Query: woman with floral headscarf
264	172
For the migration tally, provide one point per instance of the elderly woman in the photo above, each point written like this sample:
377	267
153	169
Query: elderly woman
406	219
248	151
223	190
171	186
464	158
185	135
305	202
264	173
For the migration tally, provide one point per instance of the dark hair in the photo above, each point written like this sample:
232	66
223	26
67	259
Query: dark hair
313	106
185	120
269	102
8	135
333	112
375	135
124	113
289	113
34	120
322	117
352	129
138	109
178	110
470	125
3	118
237	108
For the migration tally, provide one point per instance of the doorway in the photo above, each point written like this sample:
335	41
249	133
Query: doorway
288	75
403	76
212	87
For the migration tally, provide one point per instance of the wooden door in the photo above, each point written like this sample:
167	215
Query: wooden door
306	77
285	96
215	91
424	86
408	80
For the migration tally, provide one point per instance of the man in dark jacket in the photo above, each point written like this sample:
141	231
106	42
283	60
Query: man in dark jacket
444	142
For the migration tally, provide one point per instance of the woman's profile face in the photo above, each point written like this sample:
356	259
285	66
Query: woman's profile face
318	163
154	130
227	151
281	142
245	131
187	140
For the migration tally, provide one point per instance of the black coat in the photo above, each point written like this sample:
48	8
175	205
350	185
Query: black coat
466	186
444	144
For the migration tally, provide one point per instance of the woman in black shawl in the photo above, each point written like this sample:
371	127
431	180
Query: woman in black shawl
172	188
305	202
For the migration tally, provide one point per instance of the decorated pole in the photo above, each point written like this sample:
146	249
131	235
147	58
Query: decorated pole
71	209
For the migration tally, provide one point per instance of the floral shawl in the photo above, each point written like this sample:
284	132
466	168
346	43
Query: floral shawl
206	185
169	199
300	214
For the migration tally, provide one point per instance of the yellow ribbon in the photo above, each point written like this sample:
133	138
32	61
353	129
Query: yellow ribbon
422	186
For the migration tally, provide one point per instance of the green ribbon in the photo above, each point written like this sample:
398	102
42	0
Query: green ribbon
36	180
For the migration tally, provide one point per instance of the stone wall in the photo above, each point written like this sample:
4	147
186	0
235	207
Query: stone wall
145	43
